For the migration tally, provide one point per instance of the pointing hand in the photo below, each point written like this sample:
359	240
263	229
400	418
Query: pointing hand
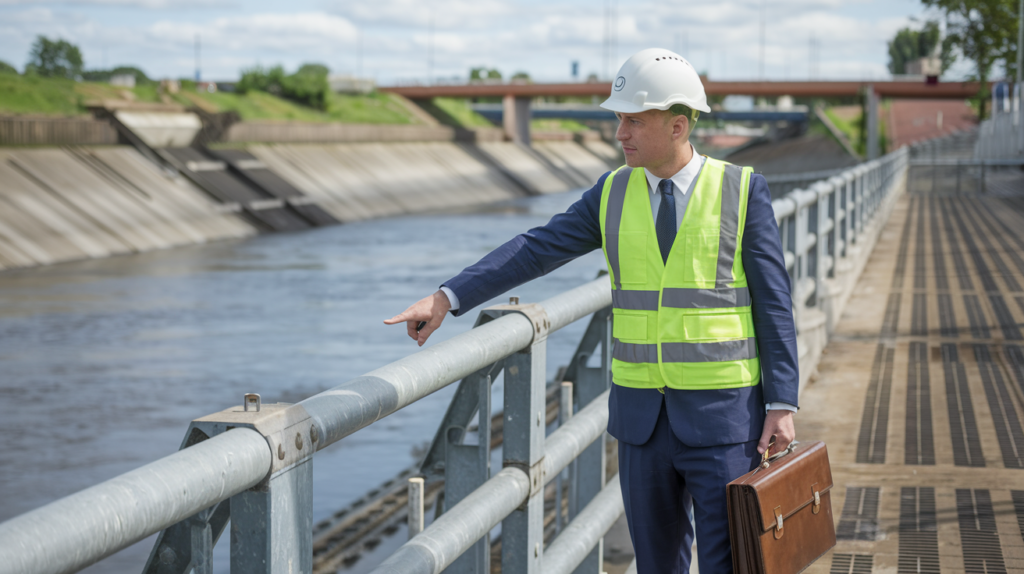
431	310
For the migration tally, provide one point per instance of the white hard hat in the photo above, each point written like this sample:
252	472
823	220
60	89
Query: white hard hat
655	79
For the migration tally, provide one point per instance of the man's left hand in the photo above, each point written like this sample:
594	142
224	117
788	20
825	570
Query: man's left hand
780	424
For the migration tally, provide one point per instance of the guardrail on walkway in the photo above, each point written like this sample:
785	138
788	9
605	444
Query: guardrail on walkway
253	464
979	161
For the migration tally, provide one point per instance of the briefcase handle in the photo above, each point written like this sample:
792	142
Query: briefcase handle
766	460
789	450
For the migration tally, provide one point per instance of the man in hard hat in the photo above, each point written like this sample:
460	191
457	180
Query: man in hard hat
704	362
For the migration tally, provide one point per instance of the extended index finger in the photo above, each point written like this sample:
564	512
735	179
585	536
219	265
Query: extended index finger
403	316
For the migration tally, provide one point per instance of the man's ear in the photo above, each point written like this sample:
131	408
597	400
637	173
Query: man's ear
680	126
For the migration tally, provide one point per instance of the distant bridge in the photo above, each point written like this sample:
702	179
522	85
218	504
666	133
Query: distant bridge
516	97
824	89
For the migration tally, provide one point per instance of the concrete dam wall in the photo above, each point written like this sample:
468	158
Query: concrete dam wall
84	202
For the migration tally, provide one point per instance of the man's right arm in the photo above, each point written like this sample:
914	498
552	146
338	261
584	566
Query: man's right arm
529	255
537	252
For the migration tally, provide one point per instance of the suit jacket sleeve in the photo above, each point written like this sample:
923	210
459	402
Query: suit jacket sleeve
771	297
537	252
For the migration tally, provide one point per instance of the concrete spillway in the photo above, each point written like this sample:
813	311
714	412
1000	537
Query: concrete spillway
85	202
76	203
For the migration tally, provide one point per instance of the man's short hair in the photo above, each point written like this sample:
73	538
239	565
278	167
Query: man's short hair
683	110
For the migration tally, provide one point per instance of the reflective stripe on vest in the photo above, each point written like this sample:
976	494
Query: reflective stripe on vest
682	298
735	350
694	308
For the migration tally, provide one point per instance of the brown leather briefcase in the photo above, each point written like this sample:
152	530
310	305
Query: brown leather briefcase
780	514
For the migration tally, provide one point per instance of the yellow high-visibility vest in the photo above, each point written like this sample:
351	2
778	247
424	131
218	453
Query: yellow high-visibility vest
687	323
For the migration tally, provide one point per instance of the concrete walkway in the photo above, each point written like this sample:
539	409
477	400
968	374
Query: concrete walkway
920	396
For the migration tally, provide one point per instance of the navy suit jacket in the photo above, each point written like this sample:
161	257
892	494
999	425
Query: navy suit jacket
698	418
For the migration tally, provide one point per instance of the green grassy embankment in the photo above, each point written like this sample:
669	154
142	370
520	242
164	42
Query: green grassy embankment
33	95
456	113
376	108
847	119
556	125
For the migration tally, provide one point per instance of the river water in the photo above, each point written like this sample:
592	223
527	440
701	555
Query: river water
104	363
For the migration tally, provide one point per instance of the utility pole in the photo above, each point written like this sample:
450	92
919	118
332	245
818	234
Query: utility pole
760	68
197	58
613	23
607	33
359	53
430	49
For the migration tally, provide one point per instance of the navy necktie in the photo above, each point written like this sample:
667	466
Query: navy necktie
665	224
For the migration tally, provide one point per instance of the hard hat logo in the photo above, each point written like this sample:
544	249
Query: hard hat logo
658	80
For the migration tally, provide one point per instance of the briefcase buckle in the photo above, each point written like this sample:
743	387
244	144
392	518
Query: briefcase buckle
816	508
778	522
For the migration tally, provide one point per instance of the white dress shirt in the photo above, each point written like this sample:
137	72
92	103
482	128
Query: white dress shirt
682	190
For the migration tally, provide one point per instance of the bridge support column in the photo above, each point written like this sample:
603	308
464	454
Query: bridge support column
516	118
871	110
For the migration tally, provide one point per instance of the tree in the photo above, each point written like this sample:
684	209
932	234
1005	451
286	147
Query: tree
315	69
910	45
981	30
54	58
484	73
6	68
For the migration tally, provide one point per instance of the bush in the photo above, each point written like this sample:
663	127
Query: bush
105	75
308	86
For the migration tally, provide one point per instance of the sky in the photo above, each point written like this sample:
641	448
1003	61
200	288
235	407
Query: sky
415	41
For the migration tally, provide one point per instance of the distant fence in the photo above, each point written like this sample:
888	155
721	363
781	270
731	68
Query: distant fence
1001	136
301	132
55	131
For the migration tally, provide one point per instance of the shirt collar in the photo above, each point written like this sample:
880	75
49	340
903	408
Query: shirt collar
683	178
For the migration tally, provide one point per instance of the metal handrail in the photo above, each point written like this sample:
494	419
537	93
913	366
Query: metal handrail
83	528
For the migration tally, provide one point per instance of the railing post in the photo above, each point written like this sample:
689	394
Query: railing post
417	494
466	467
589	470
272	522
522	532
859	195
202	542
561	490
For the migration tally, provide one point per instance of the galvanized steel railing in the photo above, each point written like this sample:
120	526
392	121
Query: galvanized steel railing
820	225
255	466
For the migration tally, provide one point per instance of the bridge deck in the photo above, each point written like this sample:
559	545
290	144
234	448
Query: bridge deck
920	395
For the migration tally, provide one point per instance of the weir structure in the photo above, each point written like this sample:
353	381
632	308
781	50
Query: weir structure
252	464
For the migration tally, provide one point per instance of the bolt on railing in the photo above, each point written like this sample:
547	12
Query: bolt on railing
253	464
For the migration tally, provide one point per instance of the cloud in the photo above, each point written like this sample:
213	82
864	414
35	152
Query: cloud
464	15
307	32
145	4
540	37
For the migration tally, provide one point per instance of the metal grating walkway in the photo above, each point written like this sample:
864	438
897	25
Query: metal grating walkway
920	395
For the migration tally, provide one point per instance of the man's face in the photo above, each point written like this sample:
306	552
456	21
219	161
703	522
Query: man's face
650	138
